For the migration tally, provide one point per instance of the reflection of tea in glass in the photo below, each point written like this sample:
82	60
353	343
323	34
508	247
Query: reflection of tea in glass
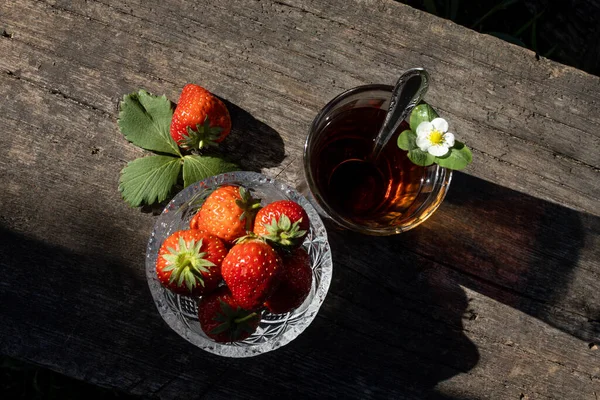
385	198
361	191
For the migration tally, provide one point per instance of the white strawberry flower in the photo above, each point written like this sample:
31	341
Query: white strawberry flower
433	137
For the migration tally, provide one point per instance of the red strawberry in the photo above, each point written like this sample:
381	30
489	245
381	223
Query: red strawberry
283	222
295	284
251	270
200	119
223	320
189	262
227	213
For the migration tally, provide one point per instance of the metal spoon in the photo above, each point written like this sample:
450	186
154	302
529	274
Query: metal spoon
408	92
361	178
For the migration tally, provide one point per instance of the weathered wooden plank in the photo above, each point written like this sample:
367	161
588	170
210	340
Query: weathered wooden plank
414	357
521	278
316	361
505	134
477	86
427	296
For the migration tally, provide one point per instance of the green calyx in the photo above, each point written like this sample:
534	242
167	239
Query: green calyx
283	232
187	263
203	136
250	207
234	322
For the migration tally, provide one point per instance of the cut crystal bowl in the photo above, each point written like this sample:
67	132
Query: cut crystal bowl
275	330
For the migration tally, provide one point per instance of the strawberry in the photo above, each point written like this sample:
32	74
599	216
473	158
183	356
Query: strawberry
283	223
223	320
227	213
200	119
251	270
189	262
295	284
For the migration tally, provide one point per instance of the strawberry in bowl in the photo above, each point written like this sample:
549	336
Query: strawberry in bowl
294	284
278	277
189	262
283	223
252	270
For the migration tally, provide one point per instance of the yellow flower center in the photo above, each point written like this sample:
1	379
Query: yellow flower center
436	137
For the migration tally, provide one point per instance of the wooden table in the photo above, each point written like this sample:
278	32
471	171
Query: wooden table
496	296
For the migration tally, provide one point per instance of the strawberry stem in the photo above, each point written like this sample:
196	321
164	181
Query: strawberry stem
203	136
246	318
250	207
284	233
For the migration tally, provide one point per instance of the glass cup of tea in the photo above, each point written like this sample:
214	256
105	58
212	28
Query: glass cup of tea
385	197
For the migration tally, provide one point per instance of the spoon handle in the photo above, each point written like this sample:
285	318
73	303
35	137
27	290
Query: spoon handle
408	92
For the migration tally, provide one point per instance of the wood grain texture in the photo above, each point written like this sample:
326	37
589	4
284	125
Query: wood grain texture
496	296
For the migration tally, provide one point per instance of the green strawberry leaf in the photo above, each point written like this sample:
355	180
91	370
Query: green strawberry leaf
145	121
407	140
149	179
458	158
422	112
420	157
196	168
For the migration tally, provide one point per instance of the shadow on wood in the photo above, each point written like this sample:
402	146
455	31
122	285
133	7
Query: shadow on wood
391	326
522	251
251	143
75	312
395	304
393	329
91	317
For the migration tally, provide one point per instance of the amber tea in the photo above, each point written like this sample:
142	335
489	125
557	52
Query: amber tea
364	192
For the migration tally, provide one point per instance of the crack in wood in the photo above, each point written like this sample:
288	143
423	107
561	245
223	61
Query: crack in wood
229	76
61	94
134	385
79	102
576	161
480	62
528	142
508	163
493	284
286	167
305	11
164	385
565	157
5	34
